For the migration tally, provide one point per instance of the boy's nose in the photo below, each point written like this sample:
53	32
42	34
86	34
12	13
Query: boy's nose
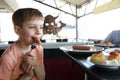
39	31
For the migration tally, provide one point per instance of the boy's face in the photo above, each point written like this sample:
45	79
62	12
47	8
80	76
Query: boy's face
31	28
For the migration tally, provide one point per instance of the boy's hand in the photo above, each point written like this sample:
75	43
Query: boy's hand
28	63
27	69
29	58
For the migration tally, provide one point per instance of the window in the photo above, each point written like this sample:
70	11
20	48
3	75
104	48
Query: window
6	28
91	26
98	26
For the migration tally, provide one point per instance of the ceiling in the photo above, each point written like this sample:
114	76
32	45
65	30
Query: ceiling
114	4
7	6
71	7
75	6
11	5
78	2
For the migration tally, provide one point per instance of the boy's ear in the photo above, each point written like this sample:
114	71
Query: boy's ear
17	29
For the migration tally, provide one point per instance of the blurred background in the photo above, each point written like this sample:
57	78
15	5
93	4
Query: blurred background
82	22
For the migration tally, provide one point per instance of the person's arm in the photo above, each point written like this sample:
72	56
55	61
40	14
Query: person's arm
24	77
28	72
108	38
39	71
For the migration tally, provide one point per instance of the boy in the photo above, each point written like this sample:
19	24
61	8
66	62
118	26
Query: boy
19	61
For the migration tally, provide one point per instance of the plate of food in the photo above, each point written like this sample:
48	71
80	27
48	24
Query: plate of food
105	44
111	60
109	50
81	48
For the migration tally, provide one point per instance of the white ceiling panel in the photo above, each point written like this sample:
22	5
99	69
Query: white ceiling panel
78	2
8	6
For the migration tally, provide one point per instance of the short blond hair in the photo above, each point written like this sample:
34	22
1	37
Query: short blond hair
23	14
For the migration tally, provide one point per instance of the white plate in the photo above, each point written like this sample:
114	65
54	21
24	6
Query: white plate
70	49
110	50
111	64
102	45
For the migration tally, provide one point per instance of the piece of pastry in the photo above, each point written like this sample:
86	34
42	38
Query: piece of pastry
107	43
80	47
98	57
114	56
116	50
37	41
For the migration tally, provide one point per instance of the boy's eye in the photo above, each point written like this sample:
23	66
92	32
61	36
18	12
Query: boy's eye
32	27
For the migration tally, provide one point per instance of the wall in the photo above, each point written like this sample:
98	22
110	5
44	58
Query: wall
59	67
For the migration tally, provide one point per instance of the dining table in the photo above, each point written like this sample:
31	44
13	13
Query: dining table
94	71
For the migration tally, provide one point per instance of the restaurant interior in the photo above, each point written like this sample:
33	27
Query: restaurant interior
73	22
